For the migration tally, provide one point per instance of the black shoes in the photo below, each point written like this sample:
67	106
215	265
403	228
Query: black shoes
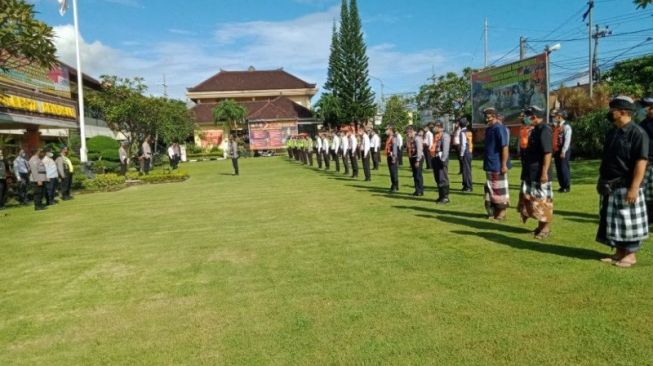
563	190
467	190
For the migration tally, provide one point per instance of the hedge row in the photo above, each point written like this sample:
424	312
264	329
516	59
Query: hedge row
112	182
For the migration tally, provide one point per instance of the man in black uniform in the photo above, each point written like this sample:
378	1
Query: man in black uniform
391	152
647	125
415	149
623	219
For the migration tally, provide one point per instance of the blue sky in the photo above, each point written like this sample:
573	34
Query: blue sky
407	40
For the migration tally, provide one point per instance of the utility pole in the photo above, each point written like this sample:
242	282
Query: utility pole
600	33
165	87
485	40
522	48
590	4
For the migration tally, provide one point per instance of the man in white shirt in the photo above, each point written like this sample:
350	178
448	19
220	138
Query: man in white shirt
400	147
353	153
335	150
375	142
366	150
318	150
325	150
146	156
345	150
428	143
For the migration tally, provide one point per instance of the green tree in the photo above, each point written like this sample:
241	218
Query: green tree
229	113
328	109
396	113
357	98
446	95
334	72
632	77
23	39
174	122
642	4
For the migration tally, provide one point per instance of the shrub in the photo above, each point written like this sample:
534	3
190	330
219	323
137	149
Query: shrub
161	176
589	134
105	166
110	155
105	182
101	143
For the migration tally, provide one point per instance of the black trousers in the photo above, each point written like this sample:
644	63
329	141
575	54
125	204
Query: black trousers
146	165
290	153
376	156
335	158
394	173
428	161
366	166
318	155
327	160
400	157
562	170
123	168
22	188
440	172
466	162
418	177
39	193
309	154
50	190
345	160
354	163
66	186
3	191
234	162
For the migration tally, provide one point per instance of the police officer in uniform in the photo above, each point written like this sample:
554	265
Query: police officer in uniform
233	153
415	149
366	151
38	178
440	162
335	150
392	152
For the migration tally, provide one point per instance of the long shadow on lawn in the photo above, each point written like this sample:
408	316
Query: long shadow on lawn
581	215
481	225
571	252
442	212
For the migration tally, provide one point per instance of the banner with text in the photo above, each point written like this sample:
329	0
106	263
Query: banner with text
509	89
270	135
55	81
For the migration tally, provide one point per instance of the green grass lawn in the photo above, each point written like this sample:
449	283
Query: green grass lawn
289	265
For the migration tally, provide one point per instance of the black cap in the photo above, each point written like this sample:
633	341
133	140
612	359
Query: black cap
463	122
534	111
439	124
559	112
622	102
489	110
646	102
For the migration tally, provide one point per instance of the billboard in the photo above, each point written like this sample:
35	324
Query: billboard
209	138
510	88
54	81
270	135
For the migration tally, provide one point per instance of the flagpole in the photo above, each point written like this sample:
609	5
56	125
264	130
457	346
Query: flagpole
80	89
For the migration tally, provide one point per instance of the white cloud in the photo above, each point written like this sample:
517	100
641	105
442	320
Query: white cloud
300	46
131	3
182	32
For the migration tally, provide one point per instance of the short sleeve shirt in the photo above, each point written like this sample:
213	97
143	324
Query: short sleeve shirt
496	137
647	125
540	143
623	148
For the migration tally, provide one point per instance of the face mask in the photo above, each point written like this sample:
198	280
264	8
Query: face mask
527	121
610	117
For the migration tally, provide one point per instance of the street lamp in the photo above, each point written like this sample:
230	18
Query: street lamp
382	86
548	50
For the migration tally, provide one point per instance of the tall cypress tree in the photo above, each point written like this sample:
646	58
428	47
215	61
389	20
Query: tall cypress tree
362	101
333	74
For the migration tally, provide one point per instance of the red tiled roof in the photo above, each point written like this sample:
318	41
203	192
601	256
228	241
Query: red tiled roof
251	80
277	108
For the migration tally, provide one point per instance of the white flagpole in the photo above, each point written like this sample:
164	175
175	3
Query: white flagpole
80	89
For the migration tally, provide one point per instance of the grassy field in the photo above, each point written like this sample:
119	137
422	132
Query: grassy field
287	265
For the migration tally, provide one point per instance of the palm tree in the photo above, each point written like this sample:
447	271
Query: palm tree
229	113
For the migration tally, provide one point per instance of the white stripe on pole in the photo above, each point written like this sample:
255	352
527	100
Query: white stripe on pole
80	89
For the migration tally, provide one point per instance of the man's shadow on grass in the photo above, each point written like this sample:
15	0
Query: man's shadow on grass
544	247
474	224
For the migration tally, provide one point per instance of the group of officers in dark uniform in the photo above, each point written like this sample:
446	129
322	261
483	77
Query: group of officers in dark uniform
625	182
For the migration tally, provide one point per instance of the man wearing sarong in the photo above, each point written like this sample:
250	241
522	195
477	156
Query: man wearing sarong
439	153
536	196
647	125
623	221
496	164
391	152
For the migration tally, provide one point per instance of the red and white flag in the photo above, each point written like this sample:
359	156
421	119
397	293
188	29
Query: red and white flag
63	6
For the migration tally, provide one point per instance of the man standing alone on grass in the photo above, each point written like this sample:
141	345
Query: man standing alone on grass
232	151
415	149
391	152
562	150
496	165
647	125
440	162
65	170
623	219
536	197
38	178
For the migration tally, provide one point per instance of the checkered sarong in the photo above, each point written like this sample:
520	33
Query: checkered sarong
626	222
497	190
648	183
536	201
